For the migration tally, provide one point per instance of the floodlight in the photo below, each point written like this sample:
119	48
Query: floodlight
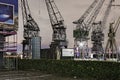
81	44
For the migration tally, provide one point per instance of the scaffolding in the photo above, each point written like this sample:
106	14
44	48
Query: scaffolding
8	43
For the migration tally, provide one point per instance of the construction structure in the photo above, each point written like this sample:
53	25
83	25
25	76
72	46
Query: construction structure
111	50
84	25
32	40
8	28
59	30
87	23
97	33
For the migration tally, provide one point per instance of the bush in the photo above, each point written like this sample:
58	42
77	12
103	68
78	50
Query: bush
97	70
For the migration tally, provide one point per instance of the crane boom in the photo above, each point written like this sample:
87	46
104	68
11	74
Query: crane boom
30	26
54	14
94	15
87	12
107	12
57	22
117	25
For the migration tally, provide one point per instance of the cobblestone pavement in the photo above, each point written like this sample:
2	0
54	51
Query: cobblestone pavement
29	75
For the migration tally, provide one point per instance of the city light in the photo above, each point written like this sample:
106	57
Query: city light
81	44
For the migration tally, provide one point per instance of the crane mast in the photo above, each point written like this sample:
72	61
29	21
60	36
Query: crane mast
31	28
84	25
97	32
59	29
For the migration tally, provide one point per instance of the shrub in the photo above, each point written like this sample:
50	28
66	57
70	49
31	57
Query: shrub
97	70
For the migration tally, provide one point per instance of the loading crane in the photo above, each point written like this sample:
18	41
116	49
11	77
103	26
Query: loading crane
81	28
59	29
111	50
31	29
84	24
97	32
